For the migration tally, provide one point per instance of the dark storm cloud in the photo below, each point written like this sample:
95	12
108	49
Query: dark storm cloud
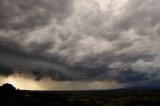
40	66
81	40
21	14
5	71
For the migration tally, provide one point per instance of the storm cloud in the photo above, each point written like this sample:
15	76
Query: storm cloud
81	40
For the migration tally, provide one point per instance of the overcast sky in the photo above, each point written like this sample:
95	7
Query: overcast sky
64	44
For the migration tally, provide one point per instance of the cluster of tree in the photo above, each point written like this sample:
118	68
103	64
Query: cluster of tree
7	88
6	91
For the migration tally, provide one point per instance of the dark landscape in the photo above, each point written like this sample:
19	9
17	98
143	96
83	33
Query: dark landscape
79	52
9	96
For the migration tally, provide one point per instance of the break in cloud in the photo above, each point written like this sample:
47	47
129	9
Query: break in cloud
81	40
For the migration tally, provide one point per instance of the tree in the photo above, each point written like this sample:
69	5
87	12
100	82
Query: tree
9	88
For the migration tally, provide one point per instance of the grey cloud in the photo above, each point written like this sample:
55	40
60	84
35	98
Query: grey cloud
20	14
5	71
90	44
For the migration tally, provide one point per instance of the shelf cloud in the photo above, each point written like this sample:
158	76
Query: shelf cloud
81	40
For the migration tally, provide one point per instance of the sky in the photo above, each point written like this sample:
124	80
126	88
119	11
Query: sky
79	44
